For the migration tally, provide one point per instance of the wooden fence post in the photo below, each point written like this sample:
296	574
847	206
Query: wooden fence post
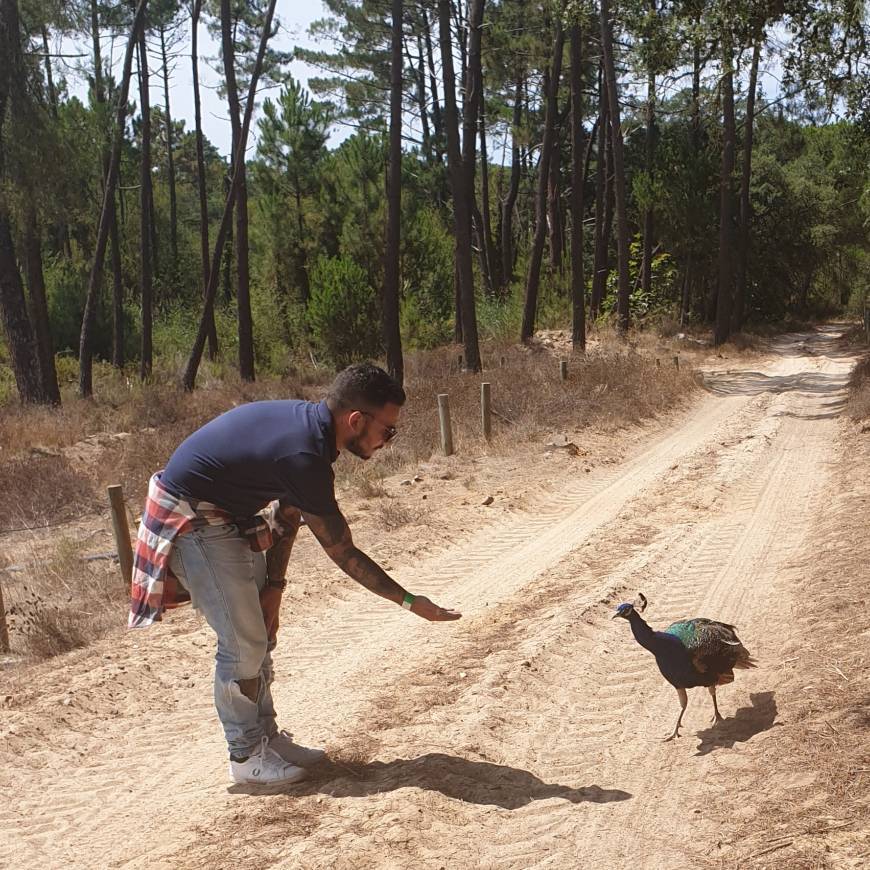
444	419
486	410
122	532
563	370
4	629
676	362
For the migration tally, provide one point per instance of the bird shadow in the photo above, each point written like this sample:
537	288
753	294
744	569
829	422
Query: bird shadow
478	782
742	726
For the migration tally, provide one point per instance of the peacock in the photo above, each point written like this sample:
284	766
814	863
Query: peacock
689	653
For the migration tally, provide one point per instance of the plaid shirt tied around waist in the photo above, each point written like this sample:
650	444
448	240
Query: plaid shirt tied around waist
154	587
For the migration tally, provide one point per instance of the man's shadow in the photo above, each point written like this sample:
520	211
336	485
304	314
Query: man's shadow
479	782
743	725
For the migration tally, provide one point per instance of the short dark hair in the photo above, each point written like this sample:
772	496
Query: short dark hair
363	386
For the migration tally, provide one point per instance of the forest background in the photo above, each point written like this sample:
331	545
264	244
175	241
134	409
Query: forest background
502	167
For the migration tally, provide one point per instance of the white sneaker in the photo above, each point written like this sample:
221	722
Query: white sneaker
265	767
293	753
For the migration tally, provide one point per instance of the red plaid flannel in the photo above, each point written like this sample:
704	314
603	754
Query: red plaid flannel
154	586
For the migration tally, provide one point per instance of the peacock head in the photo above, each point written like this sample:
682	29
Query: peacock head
636	606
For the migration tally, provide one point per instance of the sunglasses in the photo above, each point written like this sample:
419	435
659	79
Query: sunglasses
390	432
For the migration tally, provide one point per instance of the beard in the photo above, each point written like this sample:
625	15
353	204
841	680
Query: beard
353	446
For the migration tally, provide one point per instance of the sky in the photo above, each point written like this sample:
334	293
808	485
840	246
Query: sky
294	16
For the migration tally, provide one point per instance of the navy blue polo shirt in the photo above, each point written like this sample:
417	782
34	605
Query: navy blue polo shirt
258	452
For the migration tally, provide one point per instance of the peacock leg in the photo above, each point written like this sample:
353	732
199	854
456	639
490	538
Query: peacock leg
684	700
717	716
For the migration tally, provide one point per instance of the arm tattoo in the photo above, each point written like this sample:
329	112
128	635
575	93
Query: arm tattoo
278	555
334	536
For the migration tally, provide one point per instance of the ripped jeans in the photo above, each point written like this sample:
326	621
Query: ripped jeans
224	577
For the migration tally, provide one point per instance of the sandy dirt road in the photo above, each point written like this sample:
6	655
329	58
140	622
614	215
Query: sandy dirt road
527	735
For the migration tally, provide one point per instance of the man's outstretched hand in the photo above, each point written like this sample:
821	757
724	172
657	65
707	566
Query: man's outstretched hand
425	609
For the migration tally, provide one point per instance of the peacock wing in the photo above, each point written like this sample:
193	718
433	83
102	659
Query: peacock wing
706	640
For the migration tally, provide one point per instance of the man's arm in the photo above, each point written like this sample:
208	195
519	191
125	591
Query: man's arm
334	536
278	555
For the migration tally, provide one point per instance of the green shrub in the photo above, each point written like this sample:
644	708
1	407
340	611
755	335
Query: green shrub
663	294
343	312
66	283
427	273
279	329
422	329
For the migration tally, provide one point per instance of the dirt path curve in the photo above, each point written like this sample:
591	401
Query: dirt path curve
524	735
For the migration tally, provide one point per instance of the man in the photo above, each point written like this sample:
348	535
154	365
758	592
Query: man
202	528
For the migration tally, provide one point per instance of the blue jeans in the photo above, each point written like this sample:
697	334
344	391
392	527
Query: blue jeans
224	578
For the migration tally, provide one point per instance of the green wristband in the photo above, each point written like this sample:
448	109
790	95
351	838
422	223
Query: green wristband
407	601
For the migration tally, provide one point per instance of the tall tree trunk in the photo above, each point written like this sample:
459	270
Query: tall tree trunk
587	158
603	211
420	80
23	350
457	292
533	278
170	160
152	222
146	280
507	208
437	115
726	208
49	77
229	244
554	203
691	272
622	240
243	293
687	292
392	336
649	214
578	280
117	290
39	304
211	330
13	310
189	378
95	279
696	87
461	30
482	253
472	98
300	259
13	307
461	165
494	280
60	231
745	179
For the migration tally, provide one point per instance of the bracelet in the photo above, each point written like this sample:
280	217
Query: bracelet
277	584
407	601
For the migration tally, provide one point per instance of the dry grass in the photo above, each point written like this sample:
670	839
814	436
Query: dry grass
395	514
57	462
858	407
615	385
42	489
56	601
